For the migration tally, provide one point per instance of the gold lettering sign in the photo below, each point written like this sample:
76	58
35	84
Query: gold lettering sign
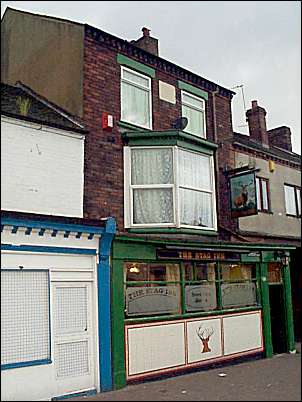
201	255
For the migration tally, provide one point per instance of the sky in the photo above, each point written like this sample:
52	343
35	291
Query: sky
252	45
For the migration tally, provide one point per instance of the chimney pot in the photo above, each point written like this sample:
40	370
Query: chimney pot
146	31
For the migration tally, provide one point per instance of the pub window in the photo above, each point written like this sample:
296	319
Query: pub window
238	285
200	287
151	289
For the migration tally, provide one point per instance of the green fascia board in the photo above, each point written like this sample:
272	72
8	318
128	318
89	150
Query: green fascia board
246	247
199	232
125	250
170	137
142	68
193	90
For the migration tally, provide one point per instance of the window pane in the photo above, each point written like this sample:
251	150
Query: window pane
135	107
264	195
152	166
151	298
195	208
194	170
231	272
299	200
258	194
290	204
192	101
200	297
195	121
153	206
137	79
238	288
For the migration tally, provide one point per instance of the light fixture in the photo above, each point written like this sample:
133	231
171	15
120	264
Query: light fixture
134	269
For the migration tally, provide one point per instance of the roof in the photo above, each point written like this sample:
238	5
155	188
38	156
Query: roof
247	141
20	101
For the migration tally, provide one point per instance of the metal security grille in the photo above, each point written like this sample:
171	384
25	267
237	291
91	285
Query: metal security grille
72	359
71	310
25	333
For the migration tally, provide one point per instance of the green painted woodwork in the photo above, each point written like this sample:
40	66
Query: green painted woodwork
190	315
218	287
199	232
268	256
131	126
199	245
258	284
117	312
249	258
125	250
290	337
193	90
169	137
142	68
266	315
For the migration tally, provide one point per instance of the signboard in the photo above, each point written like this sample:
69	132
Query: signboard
152	300
243	195
197	255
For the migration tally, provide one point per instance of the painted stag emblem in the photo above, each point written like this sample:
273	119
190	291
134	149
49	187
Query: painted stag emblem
204	335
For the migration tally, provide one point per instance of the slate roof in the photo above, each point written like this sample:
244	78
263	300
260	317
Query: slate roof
277	152
40	110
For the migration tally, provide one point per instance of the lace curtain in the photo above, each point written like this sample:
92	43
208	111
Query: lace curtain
135	101
195	205
152	167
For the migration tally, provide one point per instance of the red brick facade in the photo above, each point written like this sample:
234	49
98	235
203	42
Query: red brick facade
104	189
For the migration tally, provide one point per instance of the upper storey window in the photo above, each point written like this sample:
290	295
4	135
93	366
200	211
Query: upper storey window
292	200
193	108
136	98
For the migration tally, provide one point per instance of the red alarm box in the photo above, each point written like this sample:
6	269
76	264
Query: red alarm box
107	121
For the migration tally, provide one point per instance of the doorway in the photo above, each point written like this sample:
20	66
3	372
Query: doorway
277	312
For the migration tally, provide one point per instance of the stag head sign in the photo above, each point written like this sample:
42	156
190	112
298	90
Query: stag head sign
204	334
243	195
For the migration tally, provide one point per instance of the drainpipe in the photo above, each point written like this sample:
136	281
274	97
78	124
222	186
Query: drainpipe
216	155
104	305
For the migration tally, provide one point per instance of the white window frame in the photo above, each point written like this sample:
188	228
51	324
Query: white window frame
297	200
128	191
147	89
203	110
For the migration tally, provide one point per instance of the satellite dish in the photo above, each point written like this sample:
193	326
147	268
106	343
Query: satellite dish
180	123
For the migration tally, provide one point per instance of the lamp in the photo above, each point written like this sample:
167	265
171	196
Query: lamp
282	257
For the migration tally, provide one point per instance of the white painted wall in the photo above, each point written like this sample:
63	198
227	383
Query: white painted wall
42	169
35	383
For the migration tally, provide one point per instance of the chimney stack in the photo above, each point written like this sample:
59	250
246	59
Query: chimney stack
280	137
147	42
257	124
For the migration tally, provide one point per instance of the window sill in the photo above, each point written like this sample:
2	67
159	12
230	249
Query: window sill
174	230
131	126
190	315
294	216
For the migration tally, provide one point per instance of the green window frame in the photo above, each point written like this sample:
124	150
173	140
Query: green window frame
201	291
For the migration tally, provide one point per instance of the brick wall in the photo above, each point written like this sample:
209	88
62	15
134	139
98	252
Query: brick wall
103	185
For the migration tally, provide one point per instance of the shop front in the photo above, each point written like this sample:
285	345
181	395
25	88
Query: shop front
177	306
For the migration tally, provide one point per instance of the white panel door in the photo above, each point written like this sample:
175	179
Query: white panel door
73	336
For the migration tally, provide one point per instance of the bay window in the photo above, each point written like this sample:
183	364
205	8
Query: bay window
135	98
169	186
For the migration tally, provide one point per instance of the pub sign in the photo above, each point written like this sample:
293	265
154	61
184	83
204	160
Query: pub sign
243	195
